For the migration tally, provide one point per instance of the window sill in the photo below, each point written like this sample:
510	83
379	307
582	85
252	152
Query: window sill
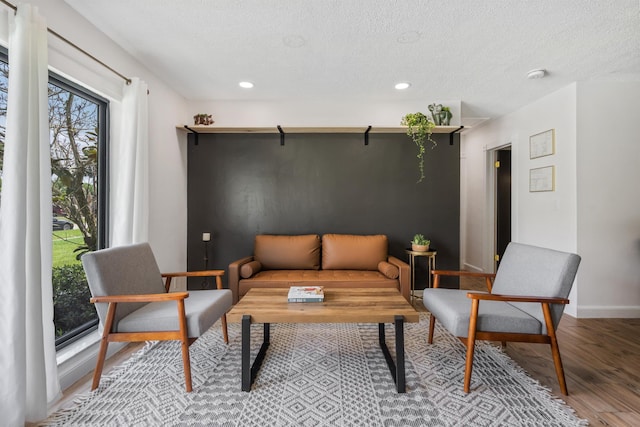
79	358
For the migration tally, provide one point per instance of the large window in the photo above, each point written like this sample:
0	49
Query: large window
77	124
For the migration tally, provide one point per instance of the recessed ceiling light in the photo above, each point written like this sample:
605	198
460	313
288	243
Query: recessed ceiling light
246	85
403	85
536	74
294	40
408	37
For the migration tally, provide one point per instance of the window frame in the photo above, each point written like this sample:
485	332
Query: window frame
102	176
103	141
103	186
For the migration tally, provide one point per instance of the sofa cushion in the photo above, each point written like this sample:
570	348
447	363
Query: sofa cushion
275	252
353	252
388	269
249	269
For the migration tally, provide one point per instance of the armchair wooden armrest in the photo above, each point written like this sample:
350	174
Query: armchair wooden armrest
517	298
488	277
140	298
202	273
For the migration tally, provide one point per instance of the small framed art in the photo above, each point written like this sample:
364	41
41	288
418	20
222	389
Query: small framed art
542	144
542	179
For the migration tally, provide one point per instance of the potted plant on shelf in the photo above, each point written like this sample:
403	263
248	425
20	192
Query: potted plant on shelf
420	243
446	116
419	128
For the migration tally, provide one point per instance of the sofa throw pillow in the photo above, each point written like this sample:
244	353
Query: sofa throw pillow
285	252
388	269
249	269
353	252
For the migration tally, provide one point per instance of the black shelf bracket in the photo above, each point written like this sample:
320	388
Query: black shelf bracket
451	134
366	135
281	134
195	134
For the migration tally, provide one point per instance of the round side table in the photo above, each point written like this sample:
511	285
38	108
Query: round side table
431	265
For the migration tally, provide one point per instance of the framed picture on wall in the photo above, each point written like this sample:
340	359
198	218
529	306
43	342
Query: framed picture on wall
542	179
542	144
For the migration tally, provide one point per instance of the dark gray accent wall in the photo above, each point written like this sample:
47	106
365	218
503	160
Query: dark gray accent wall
240	185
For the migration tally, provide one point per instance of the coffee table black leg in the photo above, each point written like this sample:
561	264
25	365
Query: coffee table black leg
400	379
397	369
249	371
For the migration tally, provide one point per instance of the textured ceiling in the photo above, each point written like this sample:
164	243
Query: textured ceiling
478	52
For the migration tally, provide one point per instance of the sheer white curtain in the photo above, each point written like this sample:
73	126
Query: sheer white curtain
130	168
28	371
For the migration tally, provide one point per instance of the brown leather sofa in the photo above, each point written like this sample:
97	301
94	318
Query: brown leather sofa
336	260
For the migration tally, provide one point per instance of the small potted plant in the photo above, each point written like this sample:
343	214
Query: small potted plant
446	116
420	243
419	128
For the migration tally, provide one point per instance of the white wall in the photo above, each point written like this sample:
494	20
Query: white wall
311	113
539	218
594	210
609	199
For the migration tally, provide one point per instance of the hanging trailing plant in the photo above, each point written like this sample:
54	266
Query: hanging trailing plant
419	128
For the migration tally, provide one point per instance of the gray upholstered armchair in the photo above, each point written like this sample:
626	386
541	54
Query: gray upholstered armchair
524	303
134	304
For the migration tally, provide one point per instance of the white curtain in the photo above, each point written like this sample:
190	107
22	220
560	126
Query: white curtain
28	370
130	168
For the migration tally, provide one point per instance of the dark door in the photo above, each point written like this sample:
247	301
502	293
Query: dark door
503	202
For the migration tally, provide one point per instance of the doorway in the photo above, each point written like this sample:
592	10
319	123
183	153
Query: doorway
503	202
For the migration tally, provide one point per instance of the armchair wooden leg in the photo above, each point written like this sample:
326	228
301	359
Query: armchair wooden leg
102	354
555	350
432	326
104	344
471	344
186	362
225	333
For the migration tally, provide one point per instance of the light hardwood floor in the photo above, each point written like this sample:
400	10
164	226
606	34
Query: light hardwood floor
601	360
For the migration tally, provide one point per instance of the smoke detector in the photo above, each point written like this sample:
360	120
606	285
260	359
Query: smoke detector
536	74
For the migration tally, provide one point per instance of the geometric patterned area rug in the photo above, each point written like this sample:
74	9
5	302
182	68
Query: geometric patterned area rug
318	375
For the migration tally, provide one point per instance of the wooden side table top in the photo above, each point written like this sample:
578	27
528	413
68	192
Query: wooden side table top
430	252
341	305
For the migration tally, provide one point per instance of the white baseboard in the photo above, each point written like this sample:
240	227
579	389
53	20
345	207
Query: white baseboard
608	312
79	358
473	268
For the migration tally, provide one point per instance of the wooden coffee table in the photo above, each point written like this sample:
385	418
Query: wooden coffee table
362	305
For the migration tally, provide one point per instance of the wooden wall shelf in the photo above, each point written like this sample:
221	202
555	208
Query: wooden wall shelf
296	129
283	130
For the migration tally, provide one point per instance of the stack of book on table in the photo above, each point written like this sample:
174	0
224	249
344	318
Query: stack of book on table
306	294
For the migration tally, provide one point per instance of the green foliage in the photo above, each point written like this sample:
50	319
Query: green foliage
419	239
419	128
65	243
71	306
